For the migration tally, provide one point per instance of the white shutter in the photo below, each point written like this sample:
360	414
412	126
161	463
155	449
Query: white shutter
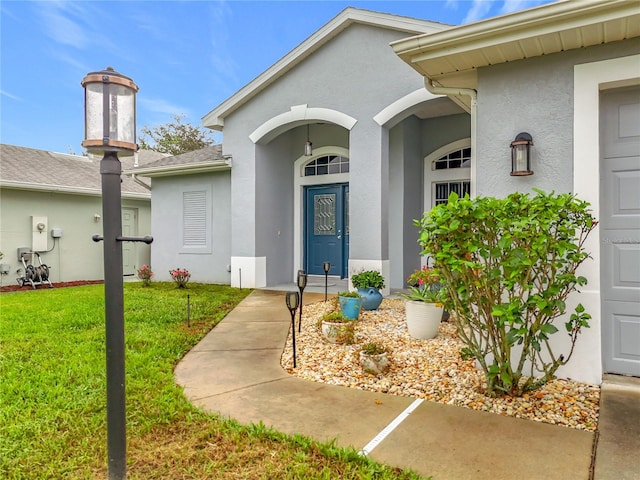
194	218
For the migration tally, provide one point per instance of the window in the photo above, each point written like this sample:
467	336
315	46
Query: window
443	189
326	165
457	159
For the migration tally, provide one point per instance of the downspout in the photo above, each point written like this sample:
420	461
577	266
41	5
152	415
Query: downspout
148	187
473	95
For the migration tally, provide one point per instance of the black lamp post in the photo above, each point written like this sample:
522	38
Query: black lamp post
302	283
326	267
292	299
521	155
110	129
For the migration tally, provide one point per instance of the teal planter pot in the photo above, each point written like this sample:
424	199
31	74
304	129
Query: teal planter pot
371	298
350	307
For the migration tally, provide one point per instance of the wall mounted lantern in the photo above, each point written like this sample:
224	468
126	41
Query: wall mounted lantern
521	155
308	146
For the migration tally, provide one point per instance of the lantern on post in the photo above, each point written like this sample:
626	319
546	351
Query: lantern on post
521	155
326	266
110	112
302	283
110	129
292	299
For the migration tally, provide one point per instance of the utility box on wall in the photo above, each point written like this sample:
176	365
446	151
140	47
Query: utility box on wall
39	232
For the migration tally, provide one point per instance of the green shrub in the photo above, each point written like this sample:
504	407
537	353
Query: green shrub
508	266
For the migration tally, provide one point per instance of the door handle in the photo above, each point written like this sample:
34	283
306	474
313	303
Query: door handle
339	237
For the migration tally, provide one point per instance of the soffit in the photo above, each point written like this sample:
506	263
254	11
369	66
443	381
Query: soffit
452	57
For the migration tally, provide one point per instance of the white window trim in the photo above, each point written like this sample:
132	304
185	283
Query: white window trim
445	175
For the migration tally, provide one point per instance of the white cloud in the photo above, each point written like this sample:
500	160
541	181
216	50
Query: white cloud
479	10
509	6
159	105
4	93
60	28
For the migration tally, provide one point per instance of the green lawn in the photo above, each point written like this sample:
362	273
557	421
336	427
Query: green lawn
53	394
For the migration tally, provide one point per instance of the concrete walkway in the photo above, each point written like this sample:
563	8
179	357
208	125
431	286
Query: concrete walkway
235	372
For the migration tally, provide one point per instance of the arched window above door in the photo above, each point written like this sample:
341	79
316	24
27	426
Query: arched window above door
459	158
326	165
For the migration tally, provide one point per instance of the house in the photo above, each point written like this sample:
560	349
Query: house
51	203
332	152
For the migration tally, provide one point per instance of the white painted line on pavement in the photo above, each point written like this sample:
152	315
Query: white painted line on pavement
366	450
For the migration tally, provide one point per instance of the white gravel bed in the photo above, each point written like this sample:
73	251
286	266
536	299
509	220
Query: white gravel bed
429	369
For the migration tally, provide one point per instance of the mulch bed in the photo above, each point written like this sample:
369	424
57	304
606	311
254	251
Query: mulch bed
27	288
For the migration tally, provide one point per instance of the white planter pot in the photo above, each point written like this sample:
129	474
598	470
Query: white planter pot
374	364
336	332
423	319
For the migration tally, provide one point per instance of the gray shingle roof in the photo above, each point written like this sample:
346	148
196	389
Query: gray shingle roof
208	154
39	169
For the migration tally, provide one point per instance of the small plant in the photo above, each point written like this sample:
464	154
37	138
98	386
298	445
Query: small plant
145	274
335	317
424	286
373	359
368	279
374	348
349	294
337	328
181	276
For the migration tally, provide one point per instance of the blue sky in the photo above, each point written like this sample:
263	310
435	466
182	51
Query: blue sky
186	56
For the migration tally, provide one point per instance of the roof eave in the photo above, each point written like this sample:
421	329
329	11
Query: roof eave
508	28
43	187
174	170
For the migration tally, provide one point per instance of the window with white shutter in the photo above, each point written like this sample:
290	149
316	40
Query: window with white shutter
196	230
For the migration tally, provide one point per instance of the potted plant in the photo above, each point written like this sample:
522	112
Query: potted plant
368	283
336	328
424	308
374	358
350	304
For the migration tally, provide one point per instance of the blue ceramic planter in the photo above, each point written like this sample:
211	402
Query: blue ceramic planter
350	307
371	298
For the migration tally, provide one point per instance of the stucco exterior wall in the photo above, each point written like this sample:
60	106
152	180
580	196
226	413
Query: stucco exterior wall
209	264
538	96
74	256
534	96
357	74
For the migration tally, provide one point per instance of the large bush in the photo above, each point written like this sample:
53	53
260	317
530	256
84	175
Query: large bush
508	266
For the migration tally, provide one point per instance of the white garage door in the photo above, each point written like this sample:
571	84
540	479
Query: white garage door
620	230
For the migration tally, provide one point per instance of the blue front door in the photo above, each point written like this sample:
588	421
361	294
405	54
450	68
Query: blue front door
327	229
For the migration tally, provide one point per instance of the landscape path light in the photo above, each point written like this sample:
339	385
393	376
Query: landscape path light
292	299
326	266
302	283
